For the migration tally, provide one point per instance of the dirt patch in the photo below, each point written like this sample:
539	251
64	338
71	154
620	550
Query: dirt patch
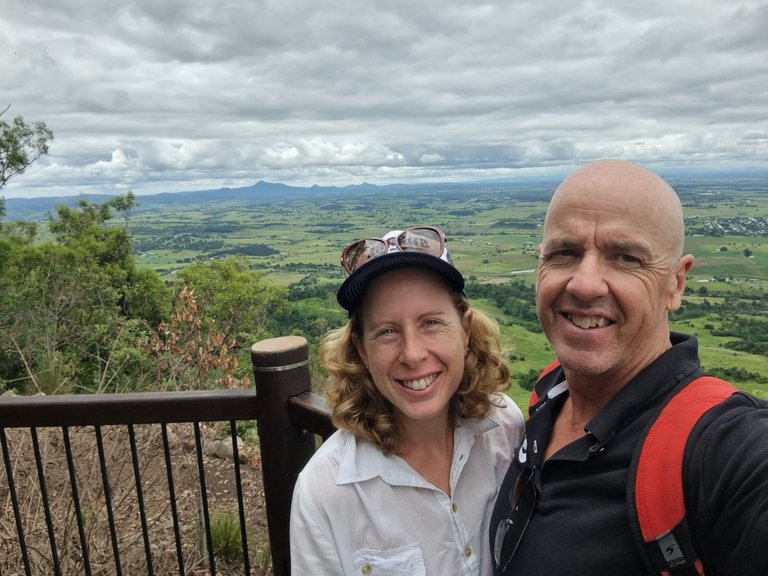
221	493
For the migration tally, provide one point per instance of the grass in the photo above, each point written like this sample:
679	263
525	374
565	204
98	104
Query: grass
492	232
226	540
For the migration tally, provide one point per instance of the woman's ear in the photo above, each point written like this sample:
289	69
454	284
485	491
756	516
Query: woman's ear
360	348
466	322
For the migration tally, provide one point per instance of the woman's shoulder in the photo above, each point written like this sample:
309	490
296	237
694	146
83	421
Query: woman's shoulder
509	420
328	454
505	411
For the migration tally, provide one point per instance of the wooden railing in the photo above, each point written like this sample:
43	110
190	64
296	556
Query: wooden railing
34	431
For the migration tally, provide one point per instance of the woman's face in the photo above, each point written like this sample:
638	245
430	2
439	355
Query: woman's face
413	341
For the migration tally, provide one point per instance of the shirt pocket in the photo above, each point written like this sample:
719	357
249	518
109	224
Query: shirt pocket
402	561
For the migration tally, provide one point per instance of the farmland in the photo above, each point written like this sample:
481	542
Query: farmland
492	231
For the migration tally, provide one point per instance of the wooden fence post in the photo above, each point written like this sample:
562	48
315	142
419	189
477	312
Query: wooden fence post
280	370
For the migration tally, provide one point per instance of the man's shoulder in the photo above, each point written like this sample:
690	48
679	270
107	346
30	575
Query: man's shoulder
741	411
729	441
727	464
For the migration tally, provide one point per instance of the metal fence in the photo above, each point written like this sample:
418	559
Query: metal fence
121	484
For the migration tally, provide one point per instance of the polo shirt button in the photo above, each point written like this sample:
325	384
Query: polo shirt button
454	507
366	569
468	551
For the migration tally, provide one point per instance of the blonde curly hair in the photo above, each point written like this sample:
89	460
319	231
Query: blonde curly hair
359	407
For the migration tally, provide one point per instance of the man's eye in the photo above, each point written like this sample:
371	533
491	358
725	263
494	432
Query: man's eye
565	253
628	258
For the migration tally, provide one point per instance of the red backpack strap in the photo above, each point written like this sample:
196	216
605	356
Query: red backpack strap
534	398
656	500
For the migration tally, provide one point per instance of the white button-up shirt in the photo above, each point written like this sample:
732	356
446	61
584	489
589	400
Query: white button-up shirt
358	512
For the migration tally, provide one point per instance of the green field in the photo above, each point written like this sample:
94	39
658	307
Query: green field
492	233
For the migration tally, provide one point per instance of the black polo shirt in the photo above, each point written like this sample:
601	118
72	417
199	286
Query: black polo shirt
579	524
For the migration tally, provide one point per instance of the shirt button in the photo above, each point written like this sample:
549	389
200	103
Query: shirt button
366	569
454	507
468	551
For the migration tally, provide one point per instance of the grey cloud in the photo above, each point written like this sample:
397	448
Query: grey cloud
175	95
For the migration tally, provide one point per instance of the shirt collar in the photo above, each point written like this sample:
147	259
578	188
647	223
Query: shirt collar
678	364
360	460
657	380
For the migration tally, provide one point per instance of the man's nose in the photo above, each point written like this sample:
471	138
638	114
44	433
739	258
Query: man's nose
588	279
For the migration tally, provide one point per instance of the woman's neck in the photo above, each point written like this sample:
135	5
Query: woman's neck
428	449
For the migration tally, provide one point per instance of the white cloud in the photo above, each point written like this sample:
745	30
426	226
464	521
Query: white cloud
178	95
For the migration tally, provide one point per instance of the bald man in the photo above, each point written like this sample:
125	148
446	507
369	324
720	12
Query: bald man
611	269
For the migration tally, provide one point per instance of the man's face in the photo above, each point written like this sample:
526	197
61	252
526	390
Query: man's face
607	278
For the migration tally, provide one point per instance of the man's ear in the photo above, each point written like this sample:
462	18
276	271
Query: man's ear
677	282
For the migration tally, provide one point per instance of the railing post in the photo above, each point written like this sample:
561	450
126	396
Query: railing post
281	370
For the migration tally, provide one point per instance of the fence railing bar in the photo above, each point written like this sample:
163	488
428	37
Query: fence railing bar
140	500
76	500
204	500
172	496
240	503
108	500
15	502
46	504
310	412
128	408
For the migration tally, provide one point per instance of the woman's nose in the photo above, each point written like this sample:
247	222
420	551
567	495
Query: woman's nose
412	349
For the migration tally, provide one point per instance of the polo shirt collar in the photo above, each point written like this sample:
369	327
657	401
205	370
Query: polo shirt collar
658	379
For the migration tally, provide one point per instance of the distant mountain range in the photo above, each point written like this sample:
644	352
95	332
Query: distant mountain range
37	208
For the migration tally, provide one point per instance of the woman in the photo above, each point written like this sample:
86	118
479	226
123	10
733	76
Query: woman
407	484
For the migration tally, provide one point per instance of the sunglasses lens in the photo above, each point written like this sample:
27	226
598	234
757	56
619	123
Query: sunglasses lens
417	239
421	240
361	251
510	530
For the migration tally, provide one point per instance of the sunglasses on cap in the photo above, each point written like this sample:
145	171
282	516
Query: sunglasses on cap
425	239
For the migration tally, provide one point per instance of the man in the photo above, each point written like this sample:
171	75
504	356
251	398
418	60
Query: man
611	268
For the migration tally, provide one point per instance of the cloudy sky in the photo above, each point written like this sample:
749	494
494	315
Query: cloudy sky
170	95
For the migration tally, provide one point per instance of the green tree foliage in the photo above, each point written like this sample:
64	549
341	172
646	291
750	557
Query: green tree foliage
738	374
528	381
77	314
220	307
233	298
72	309
515	299
21	144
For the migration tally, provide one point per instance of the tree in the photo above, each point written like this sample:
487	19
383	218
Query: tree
188	355
20	146
72	309
123	205
233	297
